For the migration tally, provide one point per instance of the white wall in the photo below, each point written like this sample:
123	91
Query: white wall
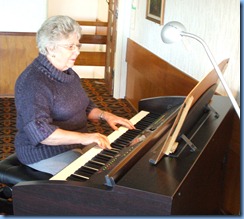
87	10
22	16
217	22
102	12
77	9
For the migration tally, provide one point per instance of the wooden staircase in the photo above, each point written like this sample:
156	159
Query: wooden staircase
93	58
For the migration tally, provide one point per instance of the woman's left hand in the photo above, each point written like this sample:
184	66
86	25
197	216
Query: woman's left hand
114	120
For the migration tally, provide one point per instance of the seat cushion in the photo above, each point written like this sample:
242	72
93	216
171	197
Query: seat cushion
13	171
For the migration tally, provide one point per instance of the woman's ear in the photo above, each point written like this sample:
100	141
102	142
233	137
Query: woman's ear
51	50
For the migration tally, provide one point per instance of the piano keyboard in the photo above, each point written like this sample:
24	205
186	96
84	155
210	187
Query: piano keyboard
94	159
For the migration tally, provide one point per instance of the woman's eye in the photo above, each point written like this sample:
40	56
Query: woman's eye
71	47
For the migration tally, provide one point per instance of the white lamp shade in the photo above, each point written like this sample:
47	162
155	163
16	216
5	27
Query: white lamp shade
171	32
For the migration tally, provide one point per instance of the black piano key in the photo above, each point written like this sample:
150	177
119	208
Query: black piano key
84	171
106	156
91	167
123	138
141	126
103	157
152	116
87	170
95	164
147	121
134	131
82	174
110	152
74	177
155	115
122	142
129	137
117	146
115	150
131	133
100	159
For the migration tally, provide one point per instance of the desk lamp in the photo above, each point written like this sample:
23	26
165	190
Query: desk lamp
173	31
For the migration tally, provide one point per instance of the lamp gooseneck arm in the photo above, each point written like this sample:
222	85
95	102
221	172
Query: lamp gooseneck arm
216	67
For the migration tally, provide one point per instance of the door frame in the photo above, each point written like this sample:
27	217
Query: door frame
123	32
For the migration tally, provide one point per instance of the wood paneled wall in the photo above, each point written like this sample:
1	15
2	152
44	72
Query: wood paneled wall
150	76
17	50
232	183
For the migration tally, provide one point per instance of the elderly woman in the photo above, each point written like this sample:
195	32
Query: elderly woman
52	107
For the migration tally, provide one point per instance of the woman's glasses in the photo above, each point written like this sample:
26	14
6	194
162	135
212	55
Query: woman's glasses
71	46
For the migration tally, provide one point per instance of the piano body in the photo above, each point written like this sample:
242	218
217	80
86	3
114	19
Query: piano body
128	184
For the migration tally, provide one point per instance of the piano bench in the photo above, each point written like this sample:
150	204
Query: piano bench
12	171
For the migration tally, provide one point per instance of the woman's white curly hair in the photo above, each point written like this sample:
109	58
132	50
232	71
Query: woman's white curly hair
55	29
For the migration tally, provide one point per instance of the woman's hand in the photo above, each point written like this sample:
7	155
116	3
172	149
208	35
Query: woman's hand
111	119
100	139
63	137
114	120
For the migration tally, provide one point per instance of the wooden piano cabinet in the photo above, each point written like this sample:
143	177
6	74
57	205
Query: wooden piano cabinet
190	184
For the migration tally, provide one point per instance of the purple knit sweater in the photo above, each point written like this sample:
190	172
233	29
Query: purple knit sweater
46	99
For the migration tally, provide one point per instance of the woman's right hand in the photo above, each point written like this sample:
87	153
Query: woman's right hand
63	137
100	139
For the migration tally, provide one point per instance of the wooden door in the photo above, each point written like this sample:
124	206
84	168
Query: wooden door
111	43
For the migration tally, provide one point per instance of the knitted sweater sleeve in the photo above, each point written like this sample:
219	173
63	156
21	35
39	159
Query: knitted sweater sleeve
38	130
90	107
33	108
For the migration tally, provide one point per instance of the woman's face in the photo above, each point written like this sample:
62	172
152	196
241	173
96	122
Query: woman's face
64	54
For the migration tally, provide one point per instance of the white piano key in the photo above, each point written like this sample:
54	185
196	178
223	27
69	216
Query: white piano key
83	159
